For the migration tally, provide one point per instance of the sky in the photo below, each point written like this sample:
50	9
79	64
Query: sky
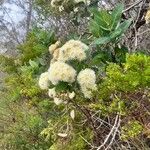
14	12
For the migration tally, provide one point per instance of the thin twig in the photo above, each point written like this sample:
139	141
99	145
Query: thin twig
143	32
92	146
110	133
133	5
114	135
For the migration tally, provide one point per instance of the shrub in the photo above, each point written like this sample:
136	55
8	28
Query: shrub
90	96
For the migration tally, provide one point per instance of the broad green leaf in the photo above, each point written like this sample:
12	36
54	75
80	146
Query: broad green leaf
94	28
116	15
102	40
94	11
106	17
118	32
121	29
103	19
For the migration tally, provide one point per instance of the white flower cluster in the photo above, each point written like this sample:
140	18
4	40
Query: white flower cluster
52	93
73	50
53	47
60	71
57	100
86	80
44	81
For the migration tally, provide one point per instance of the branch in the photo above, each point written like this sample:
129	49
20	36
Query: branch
114	135
29	15
110	133
133	5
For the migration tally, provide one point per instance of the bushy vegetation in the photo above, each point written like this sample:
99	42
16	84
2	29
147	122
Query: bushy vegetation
87	93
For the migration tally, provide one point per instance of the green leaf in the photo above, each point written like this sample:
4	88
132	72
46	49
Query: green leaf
33	64
51	38
42	61
62	86
94	28
121	29
103	19
116	15
102	40
106	18
97	59
101	58
118	32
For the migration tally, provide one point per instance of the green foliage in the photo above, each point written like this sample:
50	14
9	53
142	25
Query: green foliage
31	119
8	64
62	86
116	15
25	104
117	105
74	139
21	127
133	75
107	27
36	44
27	108
131	130
77	142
